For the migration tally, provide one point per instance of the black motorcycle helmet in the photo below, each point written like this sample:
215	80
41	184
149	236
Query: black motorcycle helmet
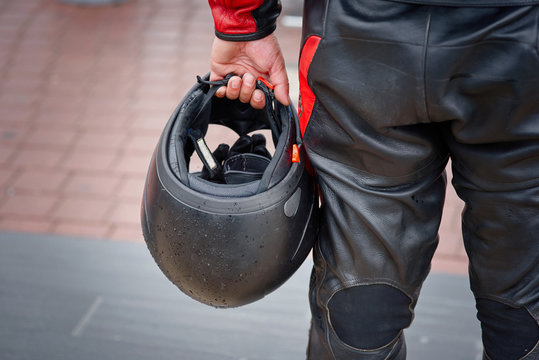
236	231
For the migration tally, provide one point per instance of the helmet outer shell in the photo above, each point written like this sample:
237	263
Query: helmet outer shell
227	251
235	256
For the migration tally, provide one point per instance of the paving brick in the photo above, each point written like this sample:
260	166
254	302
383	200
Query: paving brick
82	209
150	123
6	174
107	72
16	83
132	188
127	233
11	135
27	205
89	161
57	121
37	159
452	265
126	212
168	49
39	181
160	87
92	184
141	144
5	154
30	61
110	88
56	138
58	111
86	92
18	98
62	89
132	164
450	231
29	68
104	122
101	100
101	141
25	225
73	80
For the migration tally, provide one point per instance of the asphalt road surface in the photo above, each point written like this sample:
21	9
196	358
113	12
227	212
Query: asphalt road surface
84	299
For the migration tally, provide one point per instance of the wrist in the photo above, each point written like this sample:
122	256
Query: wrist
259	34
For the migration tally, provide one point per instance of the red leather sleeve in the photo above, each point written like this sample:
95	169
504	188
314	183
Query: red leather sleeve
243	20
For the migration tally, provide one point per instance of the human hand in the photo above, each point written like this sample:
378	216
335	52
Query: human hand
250	60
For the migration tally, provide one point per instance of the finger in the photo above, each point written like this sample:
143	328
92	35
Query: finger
281	94
280	80
215	77
258	101
221	92
233	88
247	87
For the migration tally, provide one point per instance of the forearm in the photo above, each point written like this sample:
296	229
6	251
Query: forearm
244	20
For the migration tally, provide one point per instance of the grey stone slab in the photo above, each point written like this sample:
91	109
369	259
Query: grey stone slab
66	298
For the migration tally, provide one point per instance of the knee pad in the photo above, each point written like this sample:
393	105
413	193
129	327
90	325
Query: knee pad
369	316
508	333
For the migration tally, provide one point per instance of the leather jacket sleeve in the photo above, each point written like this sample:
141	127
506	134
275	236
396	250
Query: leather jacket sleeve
244	20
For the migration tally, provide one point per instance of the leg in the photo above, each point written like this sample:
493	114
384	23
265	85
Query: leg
379	165
486	84
500	232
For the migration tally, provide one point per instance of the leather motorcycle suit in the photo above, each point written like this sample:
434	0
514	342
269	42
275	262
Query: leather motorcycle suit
389	92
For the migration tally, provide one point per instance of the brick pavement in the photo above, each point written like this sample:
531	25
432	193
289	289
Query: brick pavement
84	94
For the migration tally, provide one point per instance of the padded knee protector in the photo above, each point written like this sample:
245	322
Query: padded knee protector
508	333
369	316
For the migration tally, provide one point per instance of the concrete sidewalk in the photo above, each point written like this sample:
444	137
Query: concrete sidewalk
84	95
73	298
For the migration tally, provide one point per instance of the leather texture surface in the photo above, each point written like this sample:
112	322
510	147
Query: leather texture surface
244	20
474	3
399	89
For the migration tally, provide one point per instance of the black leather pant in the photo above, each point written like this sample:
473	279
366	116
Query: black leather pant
390	91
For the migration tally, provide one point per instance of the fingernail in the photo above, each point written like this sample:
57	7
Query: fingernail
234	84
221	91
257	97
248	80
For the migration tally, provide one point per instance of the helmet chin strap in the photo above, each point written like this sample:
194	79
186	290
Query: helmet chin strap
250	153
261	84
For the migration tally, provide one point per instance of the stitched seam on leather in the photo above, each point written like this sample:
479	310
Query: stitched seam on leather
319	303
516	306
501	301
418	171
537	343
326	10
470	175
392	343
537	34
531	352
355	283
424	63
